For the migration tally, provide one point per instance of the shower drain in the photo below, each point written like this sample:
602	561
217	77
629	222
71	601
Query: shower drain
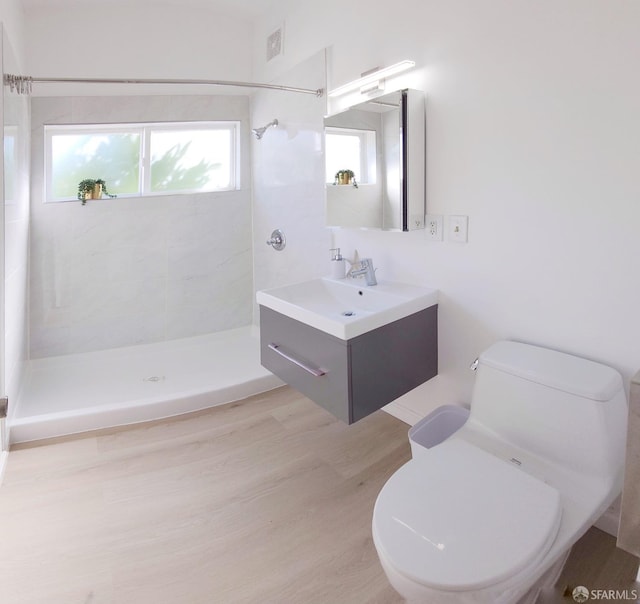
154	378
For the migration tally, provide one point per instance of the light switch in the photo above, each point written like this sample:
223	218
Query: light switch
458	228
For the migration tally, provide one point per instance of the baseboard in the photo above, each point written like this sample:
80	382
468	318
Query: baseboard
609	522
408	416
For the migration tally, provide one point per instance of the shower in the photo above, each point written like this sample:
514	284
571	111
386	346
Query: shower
259	132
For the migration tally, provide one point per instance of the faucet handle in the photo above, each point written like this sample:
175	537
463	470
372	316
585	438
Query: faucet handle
369	271
277	241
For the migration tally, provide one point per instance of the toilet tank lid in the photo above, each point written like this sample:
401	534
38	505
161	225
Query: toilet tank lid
554	369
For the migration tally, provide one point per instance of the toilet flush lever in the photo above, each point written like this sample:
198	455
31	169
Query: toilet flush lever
474	365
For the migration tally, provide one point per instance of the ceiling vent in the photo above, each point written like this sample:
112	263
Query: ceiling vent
275	43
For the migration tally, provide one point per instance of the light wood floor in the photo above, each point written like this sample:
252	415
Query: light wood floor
264	501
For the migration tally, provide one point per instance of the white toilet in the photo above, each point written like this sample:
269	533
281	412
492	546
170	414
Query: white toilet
490	514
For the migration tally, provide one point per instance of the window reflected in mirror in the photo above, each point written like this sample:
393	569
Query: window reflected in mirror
350	149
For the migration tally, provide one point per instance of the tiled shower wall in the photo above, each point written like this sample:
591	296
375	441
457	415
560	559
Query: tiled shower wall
120	272
288	173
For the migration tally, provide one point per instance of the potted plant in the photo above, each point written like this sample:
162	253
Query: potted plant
345	177
91	188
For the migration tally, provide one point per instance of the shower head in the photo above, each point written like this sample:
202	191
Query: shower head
259	132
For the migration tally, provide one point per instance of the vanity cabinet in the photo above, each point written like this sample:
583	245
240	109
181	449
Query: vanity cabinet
355	377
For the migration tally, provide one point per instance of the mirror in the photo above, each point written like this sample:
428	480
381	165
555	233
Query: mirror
375	163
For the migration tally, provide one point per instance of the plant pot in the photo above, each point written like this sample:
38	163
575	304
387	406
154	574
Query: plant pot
96	193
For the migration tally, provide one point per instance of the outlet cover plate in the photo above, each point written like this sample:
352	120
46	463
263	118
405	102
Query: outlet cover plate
434	227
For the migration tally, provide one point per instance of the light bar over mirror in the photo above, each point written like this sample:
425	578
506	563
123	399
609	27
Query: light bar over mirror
372	77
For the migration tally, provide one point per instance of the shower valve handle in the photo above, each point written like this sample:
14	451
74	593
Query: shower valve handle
277	241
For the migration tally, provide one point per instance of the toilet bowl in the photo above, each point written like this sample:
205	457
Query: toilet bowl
490	514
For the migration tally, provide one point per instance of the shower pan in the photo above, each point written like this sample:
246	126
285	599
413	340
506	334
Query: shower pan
75	393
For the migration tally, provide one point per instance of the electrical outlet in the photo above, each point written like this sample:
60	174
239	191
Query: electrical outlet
458	228
416	222
434	227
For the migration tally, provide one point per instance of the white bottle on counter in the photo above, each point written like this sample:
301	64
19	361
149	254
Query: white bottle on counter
337	264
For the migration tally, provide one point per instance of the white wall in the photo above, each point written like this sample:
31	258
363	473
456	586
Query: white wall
533	132
134	40
12	18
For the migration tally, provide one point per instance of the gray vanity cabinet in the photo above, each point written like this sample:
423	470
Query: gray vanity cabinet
351	378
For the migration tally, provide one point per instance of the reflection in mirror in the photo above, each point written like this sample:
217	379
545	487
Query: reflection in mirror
375	163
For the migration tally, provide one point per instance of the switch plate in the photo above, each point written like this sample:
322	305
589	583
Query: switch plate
459	228
434	227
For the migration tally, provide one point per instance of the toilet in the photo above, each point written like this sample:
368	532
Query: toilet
489	515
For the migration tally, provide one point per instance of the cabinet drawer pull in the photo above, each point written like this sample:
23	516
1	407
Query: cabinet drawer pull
311	370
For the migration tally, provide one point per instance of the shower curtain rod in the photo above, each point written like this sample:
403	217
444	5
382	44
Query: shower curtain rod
22	84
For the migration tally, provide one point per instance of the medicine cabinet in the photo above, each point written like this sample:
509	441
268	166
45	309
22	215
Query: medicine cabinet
382	142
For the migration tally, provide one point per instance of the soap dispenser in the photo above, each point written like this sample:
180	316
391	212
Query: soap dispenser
337	264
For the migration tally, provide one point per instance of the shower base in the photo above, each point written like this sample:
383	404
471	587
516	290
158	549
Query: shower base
81	392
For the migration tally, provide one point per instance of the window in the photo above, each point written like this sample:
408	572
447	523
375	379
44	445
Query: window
142	159
351	149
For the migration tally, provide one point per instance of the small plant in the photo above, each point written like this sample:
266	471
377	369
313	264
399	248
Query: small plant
345	177
91	188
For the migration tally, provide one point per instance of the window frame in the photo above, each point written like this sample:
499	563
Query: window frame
144	129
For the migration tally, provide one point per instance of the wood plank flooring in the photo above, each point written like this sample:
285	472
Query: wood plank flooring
268	500
596	564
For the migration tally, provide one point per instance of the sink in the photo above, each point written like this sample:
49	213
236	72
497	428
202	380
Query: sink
346	308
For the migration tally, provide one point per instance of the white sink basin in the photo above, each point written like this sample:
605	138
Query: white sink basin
347	308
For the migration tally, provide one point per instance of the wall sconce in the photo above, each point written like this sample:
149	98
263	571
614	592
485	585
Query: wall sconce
370	80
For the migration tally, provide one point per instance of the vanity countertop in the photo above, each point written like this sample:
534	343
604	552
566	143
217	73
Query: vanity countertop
347	308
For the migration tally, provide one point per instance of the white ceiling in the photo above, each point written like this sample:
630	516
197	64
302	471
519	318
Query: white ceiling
243	9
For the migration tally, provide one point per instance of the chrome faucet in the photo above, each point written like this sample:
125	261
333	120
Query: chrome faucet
366	269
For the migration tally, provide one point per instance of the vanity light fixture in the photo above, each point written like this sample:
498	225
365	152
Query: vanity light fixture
370	79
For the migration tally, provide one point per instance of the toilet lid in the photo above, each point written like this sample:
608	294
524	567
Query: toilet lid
461	518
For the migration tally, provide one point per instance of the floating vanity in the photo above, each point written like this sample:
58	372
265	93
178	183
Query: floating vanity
350	348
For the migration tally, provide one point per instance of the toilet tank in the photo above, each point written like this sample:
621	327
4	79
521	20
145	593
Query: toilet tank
563	408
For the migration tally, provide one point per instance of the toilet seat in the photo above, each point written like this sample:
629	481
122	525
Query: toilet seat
461	518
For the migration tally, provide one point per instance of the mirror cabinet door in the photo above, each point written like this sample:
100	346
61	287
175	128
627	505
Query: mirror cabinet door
375	163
